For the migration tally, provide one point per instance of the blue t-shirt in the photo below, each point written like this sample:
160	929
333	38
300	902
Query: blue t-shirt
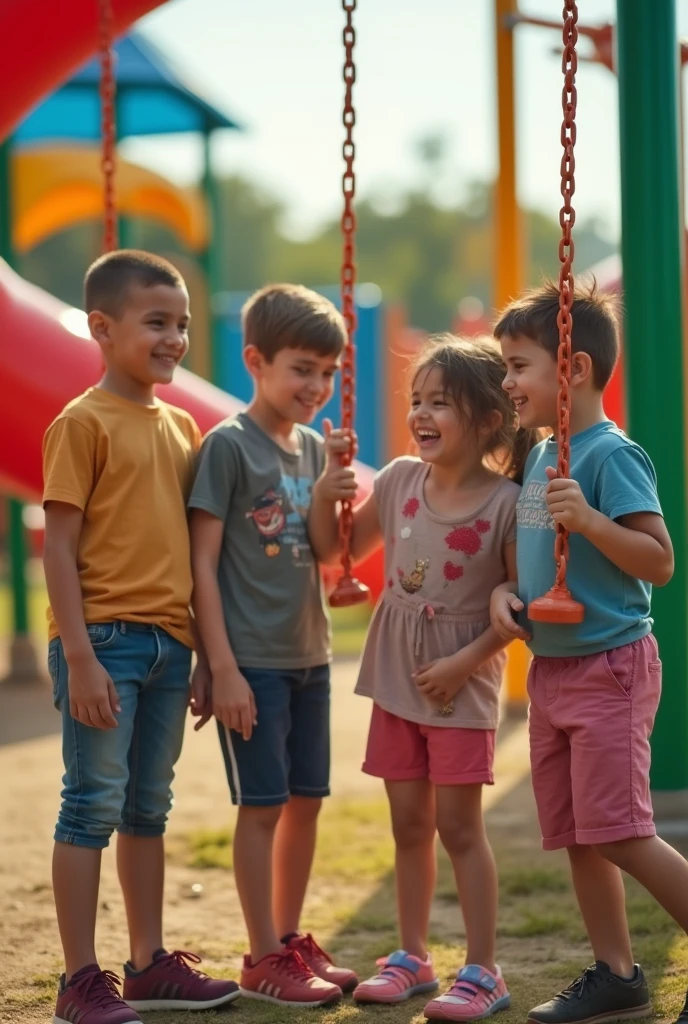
617	478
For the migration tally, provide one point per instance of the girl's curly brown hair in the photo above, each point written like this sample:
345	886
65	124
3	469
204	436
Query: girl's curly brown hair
472	372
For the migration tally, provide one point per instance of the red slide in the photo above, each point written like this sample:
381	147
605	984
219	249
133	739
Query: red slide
46	356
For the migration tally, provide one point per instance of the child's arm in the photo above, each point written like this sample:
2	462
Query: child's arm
338	483
93	698
639	543
233	701
442	679
200	699
505	601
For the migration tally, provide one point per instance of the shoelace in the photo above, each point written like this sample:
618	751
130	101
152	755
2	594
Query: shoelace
100	987
579	985
311	947
292	964
179	960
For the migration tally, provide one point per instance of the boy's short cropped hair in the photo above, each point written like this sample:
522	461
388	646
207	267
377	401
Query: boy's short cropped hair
595	324
109	279
291	316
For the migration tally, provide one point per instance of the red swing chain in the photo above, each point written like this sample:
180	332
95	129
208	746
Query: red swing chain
558	605
348	590
107	99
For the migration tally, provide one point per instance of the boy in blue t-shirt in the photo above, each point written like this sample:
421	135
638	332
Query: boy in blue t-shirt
594	688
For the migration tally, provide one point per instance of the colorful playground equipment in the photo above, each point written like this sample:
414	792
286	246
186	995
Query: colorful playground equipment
54	187
647	66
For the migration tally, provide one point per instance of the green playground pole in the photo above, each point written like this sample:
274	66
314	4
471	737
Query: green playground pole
652	249
22	653
17	549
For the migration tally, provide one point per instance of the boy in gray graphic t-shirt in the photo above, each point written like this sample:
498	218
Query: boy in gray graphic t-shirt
260	610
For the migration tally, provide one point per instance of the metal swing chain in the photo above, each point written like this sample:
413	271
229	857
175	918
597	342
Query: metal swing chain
567	218
348	270
108	131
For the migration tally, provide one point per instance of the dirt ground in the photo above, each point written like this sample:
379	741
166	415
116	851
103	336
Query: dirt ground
30	766
541	942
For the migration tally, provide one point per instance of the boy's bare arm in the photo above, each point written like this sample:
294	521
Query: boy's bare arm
639	544
233	701
323	526
92	695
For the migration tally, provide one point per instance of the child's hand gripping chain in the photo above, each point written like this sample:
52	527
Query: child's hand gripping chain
338	483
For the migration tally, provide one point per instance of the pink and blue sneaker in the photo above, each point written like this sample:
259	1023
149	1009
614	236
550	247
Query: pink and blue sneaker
476	993
400	977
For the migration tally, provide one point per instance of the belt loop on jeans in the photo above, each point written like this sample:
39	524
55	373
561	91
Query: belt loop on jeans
122	626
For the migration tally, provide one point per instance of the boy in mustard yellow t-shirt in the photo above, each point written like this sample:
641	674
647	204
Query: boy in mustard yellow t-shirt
117	466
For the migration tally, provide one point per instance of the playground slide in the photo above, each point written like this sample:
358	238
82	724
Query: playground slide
47	358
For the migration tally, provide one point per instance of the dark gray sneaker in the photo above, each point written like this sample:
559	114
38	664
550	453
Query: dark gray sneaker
597	995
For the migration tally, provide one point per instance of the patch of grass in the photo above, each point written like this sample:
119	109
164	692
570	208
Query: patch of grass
542	946
354	843
210	848
532	923
40	991
525	881
349	628
645	917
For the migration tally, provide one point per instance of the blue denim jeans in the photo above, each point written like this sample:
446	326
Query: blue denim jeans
120	778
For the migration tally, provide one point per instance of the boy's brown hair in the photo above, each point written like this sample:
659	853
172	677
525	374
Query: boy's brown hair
110	278
291	316
595	324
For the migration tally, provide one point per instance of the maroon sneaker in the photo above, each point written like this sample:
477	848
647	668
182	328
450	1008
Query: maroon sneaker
320	962
92	997
169	983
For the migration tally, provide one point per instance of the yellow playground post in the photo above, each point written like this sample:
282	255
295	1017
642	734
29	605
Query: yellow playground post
509	257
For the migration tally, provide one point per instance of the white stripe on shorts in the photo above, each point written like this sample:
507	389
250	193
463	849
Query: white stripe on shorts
233	764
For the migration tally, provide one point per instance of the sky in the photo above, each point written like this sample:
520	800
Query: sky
423	67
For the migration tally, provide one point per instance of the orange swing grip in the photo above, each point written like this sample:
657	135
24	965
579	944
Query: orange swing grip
557	605
349	590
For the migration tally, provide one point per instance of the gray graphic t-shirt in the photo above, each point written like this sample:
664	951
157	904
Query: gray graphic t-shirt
268	575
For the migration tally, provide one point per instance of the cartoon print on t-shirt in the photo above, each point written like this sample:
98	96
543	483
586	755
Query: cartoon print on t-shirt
269	519
280	515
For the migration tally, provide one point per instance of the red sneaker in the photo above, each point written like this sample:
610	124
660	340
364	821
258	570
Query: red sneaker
320	962
169	983
91	997
285	978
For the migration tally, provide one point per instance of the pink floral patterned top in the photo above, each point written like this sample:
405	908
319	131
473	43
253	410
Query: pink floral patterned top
439	575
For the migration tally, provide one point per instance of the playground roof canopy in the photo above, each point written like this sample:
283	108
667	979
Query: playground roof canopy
152	99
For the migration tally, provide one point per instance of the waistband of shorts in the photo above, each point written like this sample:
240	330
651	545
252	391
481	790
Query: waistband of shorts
568	659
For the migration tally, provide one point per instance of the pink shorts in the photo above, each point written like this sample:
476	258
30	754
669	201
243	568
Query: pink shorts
590	723
399	751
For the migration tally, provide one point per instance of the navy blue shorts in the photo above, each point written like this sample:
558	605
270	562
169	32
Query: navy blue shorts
288	753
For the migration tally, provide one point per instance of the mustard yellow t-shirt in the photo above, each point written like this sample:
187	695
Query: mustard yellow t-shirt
129	467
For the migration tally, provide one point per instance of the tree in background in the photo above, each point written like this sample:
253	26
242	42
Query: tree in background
425	253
